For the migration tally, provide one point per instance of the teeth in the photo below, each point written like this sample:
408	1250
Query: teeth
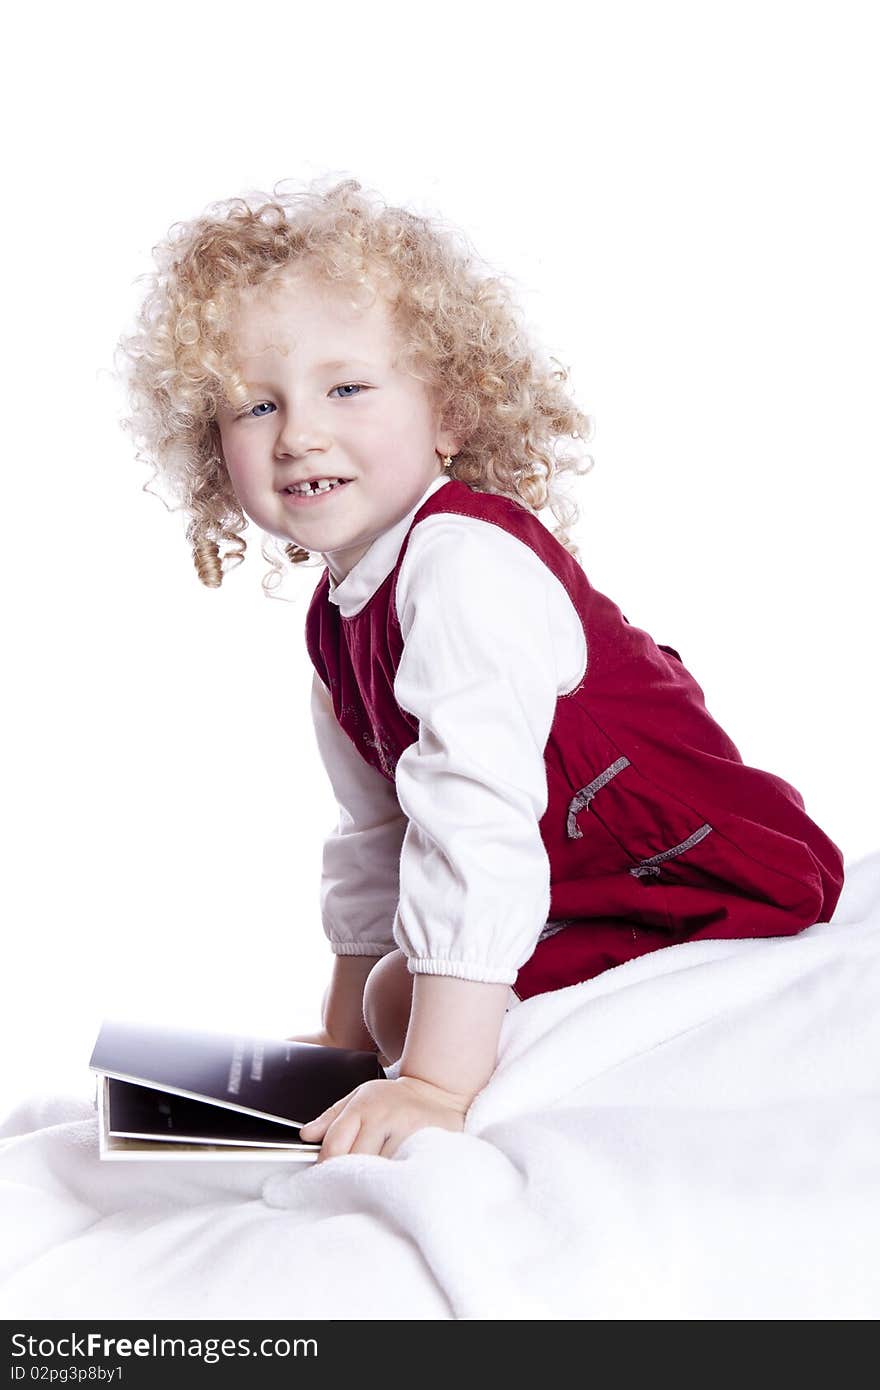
323	485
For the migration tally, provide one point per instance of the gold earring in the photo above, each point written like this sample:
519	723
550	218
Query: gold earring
447	462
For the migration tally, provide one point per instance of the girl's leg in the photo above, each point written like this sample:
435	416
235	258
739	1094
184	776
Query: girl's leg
387	1005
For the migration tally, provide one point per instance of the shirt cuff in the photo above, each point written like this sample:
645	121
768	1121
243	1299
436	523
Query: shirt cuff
479	972
361	948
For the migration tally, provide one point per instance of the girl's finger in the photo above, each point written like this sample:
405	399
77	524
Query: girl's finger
340	1136
371	1139
315	1130
319	1122
327	1116
391	1145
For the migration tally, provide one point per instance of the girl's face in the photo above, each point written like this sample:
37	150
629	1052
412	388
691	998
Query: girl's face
326	401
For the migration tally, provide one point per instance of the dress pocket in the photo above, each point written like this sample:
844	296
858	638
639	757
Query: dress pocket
653	865
581	802
649	827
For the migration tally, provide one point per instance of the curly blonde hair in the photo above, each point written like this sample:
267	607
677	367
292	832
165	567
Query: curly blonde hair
458	327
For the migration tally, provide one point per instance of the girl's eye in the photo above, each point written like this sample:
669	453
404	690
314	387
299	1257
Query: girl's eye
259	411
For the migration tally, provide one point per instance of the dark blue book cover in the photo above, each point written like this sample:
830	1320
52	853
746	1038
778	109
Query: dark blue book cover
220	1086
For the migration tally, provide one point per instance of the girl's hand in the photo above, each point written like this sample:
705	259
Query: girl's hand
376	1117
325	1039
321	1037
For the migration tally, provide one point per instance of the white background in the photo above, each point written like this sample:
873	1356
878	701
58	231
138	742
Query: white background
685	196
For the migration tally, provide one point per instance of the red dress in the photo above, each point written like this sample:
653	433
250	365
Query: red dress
656	831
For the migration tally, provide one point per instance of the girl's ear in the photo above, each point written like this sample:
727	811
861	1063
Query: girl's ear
447	443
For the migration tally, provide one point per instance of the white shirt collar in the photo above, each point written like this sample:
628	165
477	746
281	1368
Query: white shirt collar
375	565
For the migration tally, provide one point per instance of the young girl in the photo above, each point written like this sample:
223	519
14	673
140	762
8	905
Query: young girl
531	790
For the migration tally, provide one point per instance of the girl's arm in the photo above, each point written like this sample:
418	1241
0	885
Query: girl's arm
491	639
342	1011
359	877
452	1041
488	645
359	869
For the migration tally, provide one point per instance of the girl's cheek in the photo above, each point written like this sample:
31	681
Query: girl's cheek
240	475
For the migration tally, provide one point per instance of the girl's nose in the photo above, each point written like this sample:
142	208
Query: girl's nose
300	435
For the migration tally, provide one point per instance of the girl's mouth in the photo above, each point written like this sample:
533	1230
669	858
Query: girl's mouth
311	499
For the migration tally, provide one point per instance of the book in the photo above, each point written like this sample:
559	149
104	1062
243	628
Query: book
167	1093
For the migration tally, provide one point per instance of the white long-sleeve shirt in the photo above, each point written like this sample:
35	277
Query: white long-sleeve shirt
448	862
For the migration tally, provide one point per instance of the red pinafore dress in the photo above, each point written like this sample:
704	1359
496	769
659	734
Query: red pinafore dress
656	831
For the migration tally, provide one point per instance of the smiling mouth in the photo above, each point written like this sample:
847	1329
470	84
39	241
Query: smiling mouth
312	493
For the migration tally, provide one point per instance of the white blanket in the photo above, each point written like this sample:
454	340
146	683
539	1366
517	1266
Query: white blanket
695	1134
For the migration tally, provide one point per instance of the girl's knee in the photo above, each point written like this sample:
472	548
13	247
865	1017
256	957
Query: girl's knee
389	986
387	1003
